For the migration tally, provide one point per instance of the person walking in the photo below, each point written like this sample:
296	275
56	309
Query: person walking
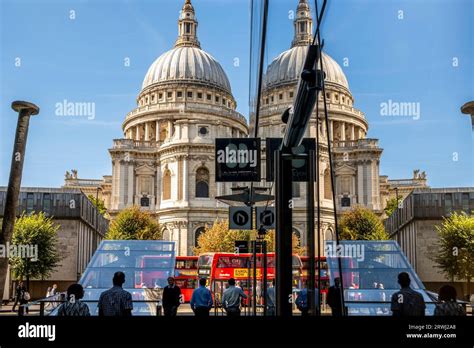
116	302
20	297
334	298
271	299
74	307
448	305
407	302
171	298
201	300
231	299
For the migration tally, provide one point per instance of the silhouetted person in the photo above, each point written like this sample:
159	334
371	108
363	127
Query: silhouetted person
231	299
407	302
116	302
271	299
20	297
74	307
201	300
171	298
448	305
334	298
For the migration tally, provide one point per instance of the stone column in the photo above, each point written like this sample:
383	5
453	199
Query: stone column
331	129
352	132
130	183
360	184
157	130
185	179
343	131
137	132
147	137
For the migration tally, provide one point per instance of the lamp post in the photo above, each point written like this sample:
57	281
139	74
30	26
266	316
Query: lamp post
25	111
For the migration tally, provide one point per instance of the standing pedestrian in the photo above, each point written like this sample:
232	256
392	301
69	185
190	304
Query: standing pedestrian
271	299
231	299
448	305
334	298
116	302
201	300
171	298
74	307
407	302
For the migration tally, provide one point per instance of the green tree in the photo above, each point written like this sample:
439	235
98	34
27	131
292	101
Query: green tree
392	205
133	223
99	204
361	224
455	249
40	233
218	238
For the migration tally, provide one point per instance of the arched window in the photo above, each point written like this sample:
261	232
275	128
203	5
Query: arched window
198	232
327	185
297	233
202	182
167	184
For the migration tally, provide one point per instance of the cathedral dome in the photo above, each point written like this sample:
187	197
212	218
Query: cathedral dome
286	68
187	63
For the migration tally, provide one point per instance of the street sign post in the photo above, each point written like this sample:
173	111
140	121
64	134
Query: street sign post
237	159
240	218
266	217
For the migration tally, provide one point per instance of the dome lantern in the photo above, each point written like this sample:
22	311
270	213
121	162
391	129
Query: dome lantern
187	27
303	25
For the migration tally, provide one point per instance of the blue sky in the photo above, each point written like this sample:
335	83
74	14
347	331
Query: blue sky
407	59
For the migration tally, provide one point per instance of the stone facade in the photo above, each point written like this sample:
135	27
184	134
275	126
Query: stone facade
81	229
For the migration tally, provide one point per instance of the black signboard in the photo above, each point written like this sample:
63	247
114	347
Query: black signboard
237	159
300	166
241	246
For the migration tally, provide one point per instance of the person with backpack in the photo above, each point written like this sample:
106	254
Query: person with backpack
448	305
407	302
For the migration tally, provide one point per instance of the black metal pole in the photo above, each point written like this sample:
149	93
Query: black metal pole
318	200
283	240
264	285
254	283
311	239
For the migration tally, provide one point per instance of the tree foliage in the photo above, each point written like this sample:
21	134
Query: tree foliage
38	231
218	238
392	205
133	223
455	249
361	224
99	204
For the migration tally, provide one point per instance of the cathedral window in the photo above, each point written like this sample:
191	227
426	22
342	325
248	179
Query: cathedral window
167	184
160	95
209	97
190	94
291	94
199	95
223	101
179	94
198	232
271	99
280	96
202	183
266	101
217	99
203	131
169	94
188	27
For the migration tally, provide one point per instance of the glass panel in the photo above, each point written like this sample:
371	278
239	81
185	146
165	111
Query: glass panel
370	275
146	264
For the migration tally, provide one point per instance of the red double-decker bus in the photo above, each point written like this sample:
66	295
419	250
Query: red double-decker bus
186	273
218	268
324	272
